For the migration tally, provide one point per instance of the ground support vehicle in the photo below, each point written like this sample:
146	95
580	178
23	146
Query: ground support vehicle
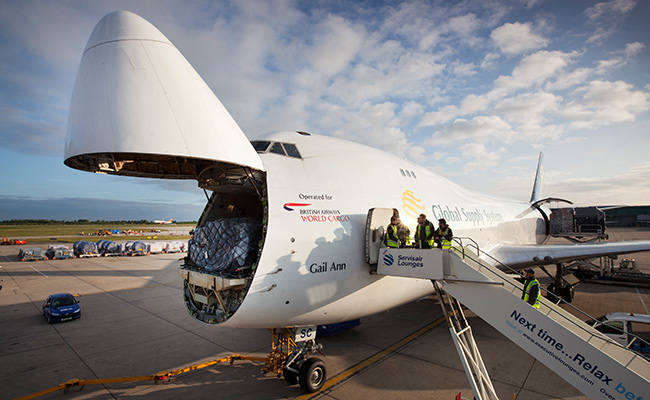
61	307
628	329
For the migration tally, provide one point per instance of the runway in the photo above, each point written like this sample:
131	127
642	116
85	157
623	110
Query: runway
134	323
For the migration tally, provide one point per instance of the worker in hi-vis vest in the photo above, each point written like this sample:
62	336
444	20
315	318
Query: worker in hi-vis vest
443	235
392	240
424	233
531	293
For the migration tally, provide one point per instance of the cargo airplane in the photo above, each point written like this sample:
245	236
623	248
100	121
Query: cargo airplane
296	203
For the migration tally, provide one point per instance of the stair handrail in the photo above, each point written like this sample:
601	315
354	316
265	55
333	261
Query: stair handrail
498	272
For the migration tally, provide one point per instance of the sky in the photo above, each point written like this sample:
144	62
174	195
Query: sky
472	90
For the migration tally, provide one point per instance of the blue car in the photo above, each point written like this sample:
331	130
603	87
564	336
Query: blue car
61	307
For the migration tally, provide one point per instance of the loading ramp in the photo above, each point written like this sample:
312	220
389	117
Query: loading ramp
588	360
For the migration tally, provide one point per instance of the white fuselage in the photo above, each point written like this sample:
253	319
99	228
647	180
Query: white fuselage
140	109
312	268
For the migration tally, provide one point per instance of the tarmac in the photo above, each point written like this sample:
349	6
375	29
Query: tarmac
134	323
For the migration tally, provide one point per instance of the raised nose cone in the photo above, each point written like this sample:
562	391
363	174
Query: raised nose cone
140	109
124	25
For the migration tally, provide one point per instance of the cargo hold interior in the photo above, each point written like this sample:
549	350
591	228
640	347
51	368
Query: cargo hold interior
226	244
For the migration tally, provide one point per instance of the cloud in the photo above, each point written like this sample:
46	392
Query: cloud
480	156
569	79
606	17
529	107
533	70
74	208
632	49
609	9
470	105
479	129
517	38
32	134
605	190
606	102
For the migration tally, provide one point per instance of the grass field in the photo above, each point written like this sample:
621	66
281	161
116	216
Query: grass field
72	233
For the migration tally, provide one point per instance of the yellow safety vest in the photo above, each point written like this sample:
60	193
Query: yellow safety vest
427	232
446	244
532	283
390	242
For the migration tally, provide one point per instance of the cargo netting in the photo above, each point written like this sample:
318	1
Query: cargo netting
228	246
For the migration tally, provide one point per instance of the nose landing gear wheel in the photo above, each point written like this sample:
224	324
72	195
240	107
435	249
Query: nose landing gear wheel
290	376
312	375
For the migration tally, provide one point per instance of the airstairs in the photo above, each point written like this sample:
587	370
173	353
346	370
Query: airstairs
588	360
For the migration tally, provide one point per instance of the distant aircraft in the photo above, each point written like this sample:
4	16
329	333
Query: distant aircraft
296	202
163	222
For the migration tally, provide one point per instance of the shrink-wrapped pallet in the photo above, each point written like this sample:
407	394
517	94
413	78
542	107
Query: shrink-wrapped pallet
562	221
225	245
84	247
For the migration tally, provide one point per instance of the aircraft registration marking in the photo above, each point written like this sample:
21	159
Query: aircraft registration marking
305	333
317	268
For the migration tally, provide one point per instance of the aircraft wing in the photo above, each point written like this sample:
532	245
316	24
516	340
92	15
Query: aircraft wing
522	256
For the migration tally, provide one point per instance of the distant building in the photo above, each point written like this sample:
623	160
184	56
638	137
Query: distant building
628	216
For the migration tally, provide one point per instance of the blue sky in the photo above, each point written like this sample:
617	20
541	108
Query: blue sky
473	90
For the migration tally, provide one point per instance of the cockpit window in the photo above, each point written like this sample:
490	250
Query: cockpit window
285	149
260	146
292	150
277	148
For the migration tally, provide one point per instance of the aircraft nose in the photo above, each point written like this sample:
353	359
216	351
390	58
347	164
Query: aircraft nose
140	109
124	25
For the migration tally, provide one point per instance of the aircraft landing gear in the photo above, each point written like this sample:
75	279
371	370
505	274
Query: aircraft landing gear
291	357
563	285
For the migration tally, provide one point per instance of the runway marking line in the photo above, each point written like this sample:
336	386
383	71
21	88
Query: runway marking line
355	369
38	271
641	298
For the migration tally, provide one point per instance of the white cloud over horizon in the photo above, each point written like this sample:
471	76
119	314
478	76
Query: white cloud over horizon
462	87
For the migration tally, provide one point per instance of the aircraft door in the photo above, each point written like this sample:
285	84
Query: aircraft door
376	222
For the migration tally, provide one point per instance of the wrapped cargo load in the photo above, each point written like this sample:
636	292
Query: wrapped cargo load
128	246
139	248
173	247
589	220
84	248
227	246
578	220
108	247
31	254
156	247
562	221
58	252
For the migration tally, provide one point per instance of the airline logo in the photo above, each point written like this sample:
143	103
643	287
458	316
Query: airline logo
312	212
289	206
389	259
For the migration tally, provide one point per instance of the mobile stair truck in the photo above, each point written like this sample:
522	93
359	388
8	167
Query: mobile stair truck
590	361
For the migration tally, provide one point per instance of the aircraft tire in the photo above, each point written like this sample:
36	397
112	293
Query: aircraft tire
289	376
568	293
312	375
551	289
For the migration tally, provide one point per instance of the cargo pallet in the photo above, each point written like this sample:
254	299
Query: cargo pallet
89	255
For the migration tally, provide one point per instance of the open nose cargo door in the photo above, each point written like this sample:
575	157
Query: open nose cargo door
140	109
